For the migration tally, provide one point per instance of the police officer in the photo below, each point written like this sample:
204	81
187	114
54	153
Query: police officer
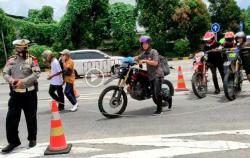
21	72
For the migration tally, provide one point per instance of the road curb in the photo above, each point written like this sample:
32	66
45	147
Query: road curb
180	58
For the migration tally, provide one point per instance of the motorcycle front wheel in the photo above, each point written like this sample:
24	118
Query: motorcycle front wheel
198	85
230	86
112	102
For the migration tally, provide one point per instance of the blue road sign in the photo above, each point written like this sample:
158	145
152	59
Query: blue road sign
241	25
215	27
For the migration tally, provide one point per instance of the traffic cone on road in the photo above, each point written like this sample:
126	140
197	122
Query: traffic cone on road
181	86
57	139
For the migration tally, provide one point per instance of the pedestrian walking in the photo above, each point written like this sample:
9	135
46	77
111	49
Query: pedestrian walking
21	72
55	77
69	78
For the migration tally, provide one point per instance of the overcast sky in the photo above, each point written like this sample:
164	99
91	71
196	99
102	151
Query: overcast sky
21	7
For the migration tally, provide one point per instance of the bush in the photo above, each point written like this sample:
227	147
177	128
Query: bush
182	47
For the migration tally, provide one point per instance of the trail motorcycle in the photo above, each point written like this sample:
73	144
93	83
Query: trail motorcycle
233	73
199	77
113	99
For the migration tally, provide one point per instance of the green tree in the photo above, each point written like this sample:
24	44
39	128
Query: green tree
155	16
246	19
84	24
45	15
123	26
9	35
191	16
182	47
227	13
42	33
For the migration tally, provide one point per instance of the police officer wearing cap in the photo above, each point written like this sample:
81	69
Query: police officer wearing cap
21	72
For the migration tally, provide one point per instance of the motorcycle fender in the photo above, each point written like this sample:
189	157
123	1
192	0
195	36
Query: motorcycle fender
227	63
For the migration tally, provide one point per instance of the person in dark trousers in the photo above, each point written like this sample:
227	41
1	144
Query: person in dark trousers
244	47
21	72
151	58
215	59
55	77
69	78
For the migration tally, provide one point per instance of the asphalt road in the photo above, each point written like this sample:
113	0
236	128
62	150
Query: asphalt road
138	133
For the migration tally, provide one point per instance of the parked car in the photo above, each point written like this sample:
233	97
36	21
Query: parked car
89	58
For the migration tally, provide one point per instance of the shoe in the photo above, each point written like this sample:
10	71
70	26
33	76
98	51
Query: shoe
158	112
169	105
61	109
9	148
217	91
74	108
32	143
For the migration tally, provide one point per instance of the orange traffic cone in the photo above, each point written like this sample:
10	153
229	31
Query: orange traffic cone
181	86
57	139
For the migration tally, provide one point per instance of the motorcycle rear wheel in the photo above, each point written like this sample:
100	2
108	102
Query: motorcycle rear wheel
167	92
115	103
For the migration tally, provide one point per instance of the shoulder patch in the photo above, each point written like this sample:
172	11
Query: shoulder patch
35	61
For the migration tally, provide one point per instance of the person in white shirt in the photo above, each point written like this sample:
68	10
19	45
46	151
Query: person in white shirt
55	77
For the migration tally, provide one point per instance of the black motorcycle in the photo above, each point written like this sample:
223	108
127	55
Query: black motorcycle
113	99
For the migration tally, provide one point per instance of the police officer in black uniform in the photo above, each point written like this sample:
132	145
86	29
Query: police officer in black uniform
21	72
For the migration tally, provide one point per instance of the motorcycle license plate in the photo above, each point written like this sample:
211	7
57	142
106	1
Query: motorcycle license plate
227	63
232	55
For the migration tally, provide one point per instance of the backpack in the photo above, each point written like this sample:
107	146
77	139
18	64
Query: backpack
65	72
164	65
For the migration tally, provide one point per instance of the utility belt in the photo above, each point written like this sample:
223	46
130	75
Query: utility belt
24	90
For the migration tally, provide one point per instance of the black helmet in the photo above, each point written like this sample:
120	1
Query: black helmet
240	35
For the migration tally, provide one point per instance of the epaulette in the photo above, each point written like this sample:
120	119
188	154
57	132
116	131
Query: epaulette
13	56
34	59
32	56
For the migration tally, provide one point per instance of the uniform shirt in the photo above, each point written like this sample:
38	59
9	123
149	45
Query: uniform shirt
55	68
69	64
25	69
153	71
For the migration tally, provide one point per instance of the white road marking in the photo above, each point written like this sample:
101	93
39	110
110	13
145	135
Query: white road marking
167	145
176	147
39	151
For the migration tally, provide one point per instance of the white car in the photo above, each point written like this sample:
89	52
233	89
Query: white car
88	59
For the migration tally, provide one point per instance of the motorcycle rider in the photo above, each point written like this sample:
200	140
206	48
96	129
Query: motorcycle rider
155	73
215	59
229	40
240	39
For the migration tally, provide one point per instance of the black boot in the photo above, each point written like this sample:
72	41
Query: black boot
32	143
217	91
158	111
9	148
